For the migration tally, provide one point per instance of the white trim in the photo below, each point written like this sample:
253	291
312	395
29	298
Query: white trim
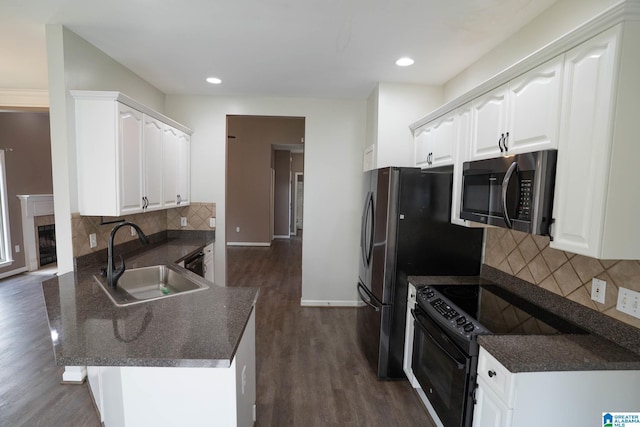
24	98
74	374
283	236
248	243
13	272
124	99
329	303
5	229
33	205
295	201
626	10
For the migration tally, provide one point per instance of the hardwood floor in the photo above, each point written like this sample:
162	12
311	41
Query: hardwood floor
30	389
310	371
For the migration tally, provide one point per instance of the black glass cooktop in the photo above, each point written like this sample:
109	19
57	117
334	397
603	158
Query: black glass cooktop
503	312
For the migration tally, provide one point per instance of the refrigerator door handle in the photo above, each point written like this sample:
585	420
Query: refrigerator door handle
367	231
365	298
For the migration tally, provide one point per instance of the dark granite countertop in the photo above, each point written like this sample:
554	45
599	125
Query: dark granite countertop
200	329
564	352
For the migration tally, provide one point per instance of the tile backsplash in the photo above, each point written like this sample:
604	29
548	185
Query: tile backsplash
530	258
197	215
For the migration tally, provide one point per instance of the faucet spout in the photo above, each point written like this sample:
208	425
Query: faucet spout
113	273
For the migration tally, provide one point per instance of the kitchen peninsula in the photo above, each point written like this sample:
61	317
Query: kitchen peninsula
184	360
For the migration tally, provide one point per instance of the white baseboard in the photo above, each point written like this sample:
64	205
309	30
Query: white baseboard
284	236
13	272
249	244
328	303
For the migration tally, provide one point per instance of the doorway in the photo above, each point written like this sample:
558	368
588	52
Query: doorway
262	154
298	201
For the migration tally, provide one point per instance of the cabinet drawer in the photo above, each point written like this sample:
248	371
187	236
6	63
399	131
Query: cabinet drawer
497	377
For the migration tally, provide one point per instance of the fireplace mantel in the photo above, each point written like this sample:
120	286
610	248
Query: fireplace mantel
33	205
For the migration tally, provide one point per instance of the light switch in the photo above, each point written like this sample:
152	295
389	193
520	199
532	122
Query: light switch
92	240
212	222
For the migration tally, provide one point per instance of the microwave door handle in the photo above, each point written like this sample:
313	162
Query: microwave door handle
505	187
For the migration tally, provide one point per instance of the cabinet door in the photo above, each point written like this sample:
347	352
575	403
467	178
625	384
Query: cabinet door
421	138
489	123
489	410
584	150
183	171
534	108
170	152
153	179
442	141
130	156
461	155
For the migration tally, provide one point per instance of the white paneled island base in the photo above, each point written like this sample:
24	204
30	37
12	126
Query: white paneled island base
166	396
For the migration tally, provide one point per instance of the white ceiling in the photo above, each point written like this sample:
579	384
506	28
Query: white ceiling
290	48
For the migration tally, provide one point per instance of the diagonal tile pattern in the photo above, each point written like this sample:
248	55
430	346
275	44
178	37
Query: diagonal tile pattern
197	215
530	258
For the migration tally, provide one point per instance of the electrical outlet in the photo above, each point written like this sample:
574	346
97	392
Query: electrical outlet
629	302
93	242
183	221
212	222
133	231
598	290
17	249
237	229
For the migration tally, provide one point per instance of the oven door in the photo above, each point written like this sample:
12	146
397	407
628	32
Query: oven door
443	371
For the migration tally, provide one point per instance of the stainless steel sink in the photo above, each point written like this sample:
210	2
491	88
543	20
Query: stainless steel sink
139	285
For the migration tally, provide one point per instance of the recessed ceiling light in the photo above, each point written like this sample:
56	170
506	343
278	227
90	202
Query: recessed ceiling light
214	80
404	62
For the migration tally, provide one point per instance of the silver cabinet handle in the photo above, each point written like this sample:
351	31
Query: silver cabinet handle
505	187
491	374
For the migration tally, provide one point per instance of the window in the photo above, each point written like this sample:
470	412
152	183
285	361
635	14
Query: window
5	238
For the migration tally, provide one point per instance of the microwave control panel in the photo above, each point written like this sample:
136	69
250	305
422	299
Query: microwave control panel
524	205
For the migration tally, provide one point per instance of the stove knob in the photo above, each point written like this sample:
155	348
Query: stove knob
469	327
430	294
461	320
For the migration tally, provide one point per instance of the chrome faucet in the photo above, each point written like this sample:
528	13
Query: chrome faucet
113	273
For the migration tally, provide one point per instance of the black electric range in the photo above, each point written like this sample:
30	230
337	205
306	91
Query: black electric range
466	311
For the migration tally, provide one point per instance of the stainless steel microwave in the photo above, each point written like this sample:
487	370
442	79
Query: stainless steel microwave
514	192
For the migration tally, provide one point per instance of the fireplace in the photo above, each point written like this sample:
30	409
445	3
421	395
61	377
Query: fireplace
47	244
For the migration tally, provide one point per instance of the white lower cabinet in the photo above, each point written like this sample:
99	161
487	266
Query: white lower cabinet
128	396
563	398
209	262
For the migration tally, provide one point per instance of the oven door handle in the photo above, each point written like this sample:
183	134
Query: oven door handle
365	298
424	330
505	187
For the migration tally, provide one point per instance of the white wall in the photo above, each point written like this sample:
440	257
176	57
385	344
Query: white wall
399	105
559	19
334	140
76	64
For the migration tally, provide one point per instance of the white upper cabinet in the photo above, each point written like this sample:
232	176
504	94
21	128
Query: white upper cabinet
597	204
461	155
130	161
520	116
152	163
121	157
184	169
435	141
170	152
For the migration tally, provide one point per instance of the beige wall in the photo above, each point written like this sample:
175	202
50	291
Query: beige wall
569	275
248	190
28	168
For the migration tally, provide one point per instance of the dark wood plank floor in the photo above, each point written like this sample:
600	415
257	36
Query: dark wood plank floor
30	389
310	372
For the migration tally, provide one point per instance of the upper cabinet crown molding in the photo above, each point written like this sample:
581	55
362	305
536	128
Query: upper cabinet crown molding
626	10
124	99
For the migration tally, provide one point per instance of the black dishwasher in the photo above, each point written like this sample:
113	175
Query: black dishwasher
195	263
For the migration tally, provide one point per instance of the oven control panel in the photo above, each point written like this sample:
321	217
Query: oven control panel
448	314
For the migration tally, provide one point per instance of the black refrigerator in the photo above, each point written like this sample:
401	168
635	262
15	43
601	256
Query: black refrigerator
406	231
